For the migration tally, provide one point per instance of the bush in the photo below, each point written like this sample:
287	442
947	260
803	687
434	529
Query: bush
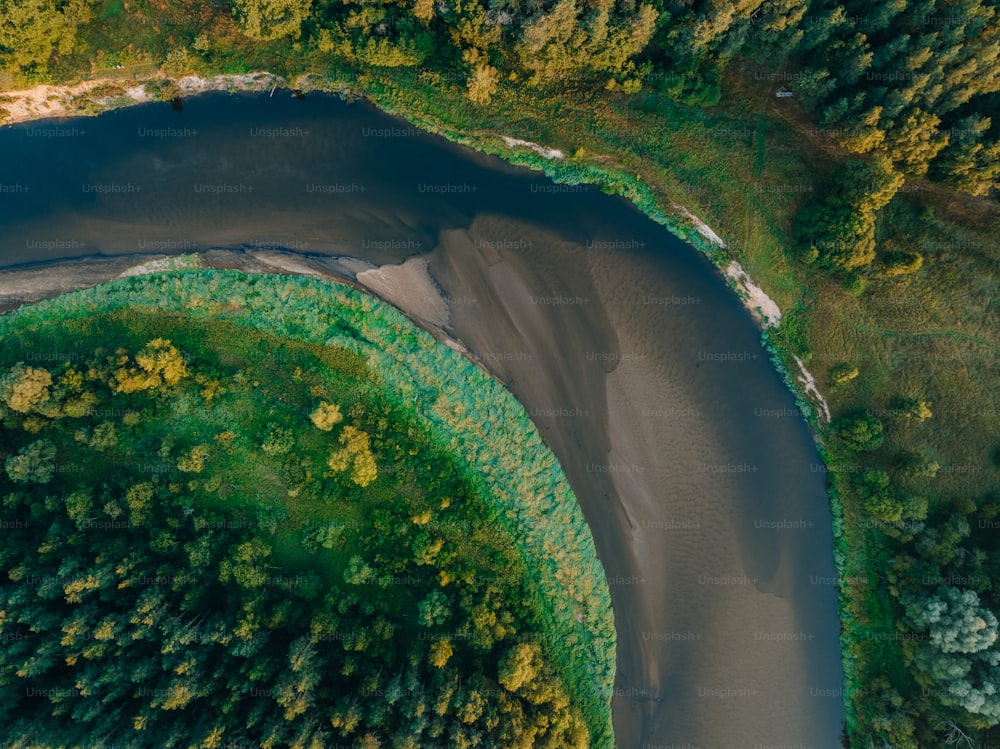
903	263
179	62
910	408
842	373
163	90
862	432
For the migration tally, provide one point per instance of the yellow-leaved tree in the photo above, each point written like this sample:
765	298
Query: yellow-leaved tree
160	363
25	389
356	453
270	19
325	416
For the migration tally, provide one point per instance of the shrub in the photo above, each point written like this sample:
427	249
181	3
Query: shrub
862	432
903	263
842	373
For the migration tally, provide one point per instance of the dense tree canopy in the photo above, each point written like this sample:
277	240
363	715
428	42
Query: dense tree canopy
32	31
249	539
271	19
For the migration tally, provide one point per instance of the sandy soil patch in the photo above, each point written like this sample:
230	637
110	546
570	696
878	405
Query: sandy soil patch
259	81
174	262
45	101
764	309
26	284
410	287
700	226
549	153
809	385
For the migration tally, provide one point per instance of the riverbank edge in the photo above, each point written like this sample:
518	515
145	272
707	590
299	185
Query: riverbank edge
678	220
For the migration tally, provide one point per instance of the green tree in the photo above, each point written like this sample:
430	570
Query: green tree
434	609
970	161
139	499
246	565
482	83
355	453
961	653
440	652
193	461
179	62
104	437
326	416
519	666
279	440
160	363
358	572
79	506
862	432
34	463
840	229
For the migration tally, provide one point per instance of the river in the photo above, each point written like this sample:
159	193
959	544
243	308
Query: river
698	476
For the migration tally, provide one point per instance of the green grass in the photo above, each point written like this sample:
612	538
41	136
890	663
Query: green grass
110	8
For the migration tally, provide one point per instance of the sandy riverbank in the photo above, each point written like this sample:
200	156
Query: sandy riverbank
45	101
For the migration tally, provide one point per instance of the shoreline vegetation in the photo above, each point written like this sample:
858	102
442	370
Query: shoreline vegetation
520	488
899	328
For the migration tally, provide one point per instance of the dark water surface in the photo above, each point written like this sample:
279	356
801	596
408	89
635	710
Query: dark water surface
698	477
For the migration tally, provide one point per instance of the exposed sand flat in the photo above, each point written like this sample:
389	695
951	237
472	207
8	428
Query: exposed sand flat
808	383
163	264
549	153
410	288
56	101
31	283
285	262
351	266
764	309
700	226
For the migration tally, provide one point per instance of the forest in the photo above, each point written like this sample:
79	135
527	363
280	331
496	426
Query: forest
223	528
